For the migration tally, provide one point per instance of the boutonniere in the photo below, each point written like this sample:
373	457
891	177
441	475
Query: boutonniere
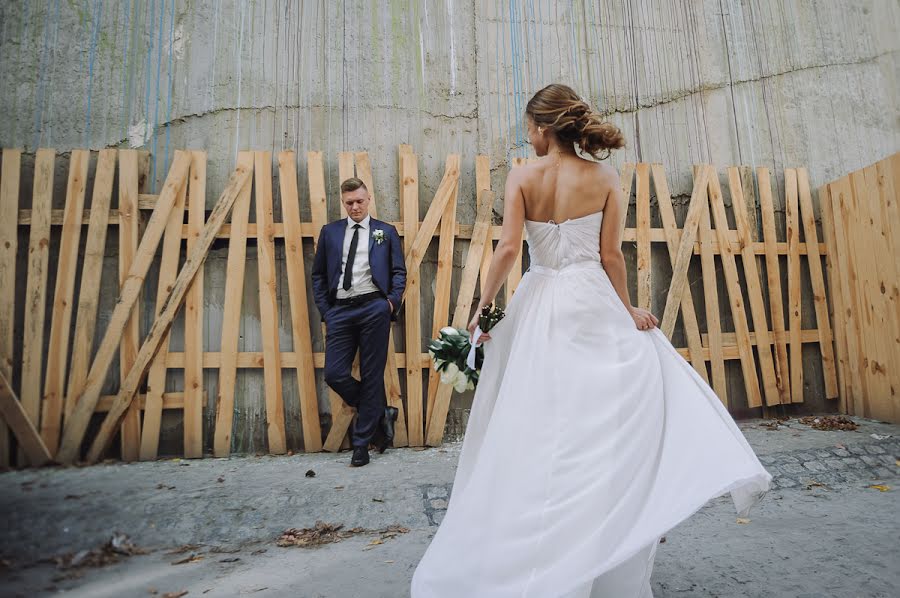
378	235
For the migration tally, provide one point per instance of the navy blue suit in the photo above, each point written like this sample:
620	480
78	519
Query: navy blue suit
364	327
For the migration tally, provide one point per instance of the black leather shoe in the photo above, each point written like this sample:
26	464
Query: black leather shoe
360	456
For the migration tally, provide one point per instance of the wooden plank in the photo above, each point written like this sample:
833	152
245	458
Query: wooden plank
193	263
674	236
681	259
315	173
836	307
885	215
300	330
170	400
129	238
627	176
268	305
444	274
482	181
773	284
91	274
61	320
391	371
841	198
418	238
13	415
76	426
884	404
193	315
754	291
794	300
341	413
36	286
409	201
231	313
736	300
9	209
818	285
711	299
438	418
156	377
642	209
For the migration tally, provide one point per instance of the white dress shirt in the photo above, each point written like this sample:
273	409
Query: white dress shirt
361	281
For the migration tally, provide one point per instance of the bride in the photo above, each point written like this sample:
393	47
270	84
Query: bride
590	437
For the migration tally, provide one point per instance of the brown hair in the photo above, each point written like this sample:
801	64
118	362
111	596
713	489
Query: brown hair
558	107
352	184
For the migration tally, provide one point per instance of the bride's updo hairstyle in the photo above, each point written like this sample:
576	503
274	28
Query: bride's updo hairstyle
558	107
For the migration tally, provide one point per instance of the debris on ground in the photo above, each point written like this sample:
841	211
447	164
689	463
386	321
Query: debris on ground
880	436
881	487
310	473
829	422
175	594
193	558
185	548
118	546
774	424
327	533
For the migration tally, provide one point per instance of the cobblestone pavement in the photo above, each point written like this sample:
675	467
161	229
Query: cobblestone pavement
828	528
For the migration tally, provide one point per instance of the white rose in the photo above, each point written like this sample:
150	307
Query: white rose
461	382
448	376
449	331
470	385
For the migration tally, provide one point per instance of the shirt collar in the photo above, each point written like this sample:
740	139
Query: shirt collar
364	223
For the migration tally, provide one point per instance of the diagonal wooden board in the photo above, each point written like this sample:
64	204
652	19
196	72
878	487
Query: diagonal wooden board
673	240
754	292
438	418
738	311
173	302
86	401
13	413
681	259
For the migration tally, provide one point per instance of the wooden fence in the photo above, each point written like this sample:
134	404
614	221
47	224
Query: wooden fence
51	413
862	223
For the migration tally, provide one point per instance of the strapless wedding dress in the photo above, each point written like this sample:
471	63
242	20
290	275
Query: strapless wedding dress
588	440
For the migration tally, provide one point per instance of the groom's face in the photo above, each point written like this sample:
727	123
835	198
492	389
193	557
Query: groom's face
356	203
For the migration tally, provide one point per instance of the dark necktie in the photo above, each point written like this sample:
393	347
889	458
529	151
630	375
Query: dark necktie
351	254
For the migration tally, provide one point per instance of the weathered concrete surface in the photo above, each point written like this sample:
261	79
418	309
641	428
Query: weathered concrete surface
835	539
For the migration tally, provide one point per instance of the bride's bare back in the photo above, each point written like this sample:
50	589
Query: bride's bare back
565	187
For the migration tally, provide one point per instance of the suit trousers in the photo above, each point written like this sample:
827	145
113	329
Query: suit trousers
365	328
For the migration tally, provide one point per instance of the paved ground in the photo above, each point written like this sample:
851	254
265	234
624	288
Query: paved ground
823	531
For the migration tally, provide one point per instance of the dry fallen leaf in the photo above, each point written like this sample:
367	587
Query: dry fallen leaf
191	559
175	594
829	422
743	520
376	541
880	487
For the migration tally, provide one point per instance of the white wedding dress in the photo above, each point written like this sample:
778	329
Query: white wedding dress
588	440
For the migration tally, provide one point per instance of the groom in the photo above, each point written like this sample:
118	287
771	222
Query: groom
358	279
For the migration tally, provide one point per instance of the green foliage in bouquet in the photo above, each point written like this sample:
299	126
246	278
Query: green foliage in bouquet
449	351
448	356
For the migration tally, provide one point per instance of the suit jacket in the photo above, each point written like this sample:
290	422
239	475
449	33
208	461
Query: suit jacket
386	261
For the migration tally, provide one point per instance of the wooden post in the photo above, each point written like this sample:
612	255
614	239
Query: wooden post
409	200
794	304
296	271
643	248
231	313
193	315
268	303
9	217
61	321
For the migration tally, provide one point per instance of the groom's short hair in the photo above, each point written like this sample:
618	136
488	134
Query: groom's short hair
352	184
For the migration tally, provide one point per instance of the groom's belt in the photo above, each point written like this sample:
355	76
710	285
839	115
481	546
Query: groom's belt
359	299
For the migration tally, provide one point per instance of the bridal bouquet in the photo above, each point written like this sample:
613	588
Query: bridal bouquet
453	355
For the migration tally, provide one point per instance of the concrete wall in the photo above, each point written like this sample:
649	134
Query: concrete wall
757	82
